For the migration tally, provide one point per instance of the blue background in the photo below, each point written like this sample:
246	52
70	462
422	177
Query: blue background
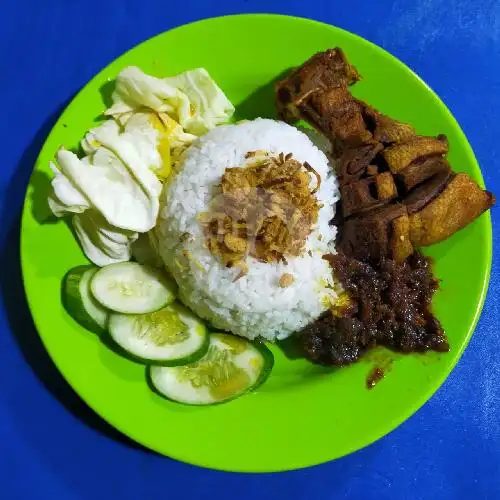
52	445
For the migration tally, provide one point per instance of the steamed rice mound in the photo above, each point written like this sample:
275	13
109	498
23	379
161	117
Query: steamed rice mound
256	304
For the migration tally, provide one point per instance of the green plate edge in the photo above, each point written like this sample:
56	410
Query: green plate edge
251	459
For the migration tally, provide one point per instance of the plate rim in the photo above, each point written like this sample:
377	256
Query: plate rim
392	424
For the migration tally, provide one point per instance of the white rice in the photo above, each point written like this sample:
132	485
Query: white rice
254	305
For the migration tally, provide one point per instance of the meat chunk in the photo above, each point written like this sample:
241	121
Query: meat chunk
401	246
399	156
354	161
386	188
364	238
418	172
336	114
318	93
458	205
322	71
370	236
424	193
385	129
358	196
367	193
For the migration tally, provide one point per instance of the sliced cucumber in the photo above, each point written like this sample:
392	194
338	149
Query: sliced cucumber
170	336
231	367
130	288
80	303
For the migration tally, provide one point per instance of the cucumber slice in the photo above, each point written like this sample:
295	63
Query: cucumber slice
170	336
231	367
80	303
130	288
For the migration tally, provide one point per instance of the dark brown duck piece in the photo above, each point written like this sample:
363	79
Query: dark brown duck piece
336	114
368	144
427	191
323	70
370	236
353	162
368	193
385	129
419	172
399	156
459	204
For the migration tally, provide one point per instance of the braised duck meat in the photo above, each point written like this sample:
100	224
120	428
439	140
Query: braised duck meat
385	129
367	193
399	156
354	162
424	193
370	146
385	186
460	202
336	114
324	70
398	192
384	232
418	172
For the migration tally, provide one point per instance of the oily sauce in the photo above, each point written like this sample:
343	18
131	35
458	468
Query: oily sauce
389	304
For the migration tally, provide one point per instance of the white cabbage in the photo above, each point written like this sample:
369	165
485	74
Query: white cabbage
135	90
113	192
102	243
206	105
192	98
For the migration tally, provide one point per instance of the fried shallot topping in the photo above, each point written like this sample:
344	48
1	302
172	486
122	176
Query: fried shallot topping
286	280
267	210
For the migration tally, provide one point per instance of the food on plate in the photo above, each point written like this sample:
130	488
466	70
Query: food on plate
383	232
265	210
462	200
170	336
145	250
80	303
368	145
112	192
402	154
388	305
112	195
131	288
192	99
397	193
231	367
234	221
239	221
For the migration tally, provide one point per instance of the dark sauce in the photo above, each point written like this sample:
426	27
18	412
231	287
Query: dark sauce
374	377
389	305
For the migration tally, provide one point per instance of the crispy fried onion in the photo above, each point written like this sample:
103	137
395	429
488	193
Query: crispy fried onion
266	210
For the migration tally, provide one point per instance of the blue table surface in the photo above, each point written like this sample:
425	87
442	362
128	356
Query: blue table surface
52	445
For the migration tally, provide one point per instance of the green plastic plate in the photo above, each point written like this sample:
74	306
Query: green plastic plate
275	428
